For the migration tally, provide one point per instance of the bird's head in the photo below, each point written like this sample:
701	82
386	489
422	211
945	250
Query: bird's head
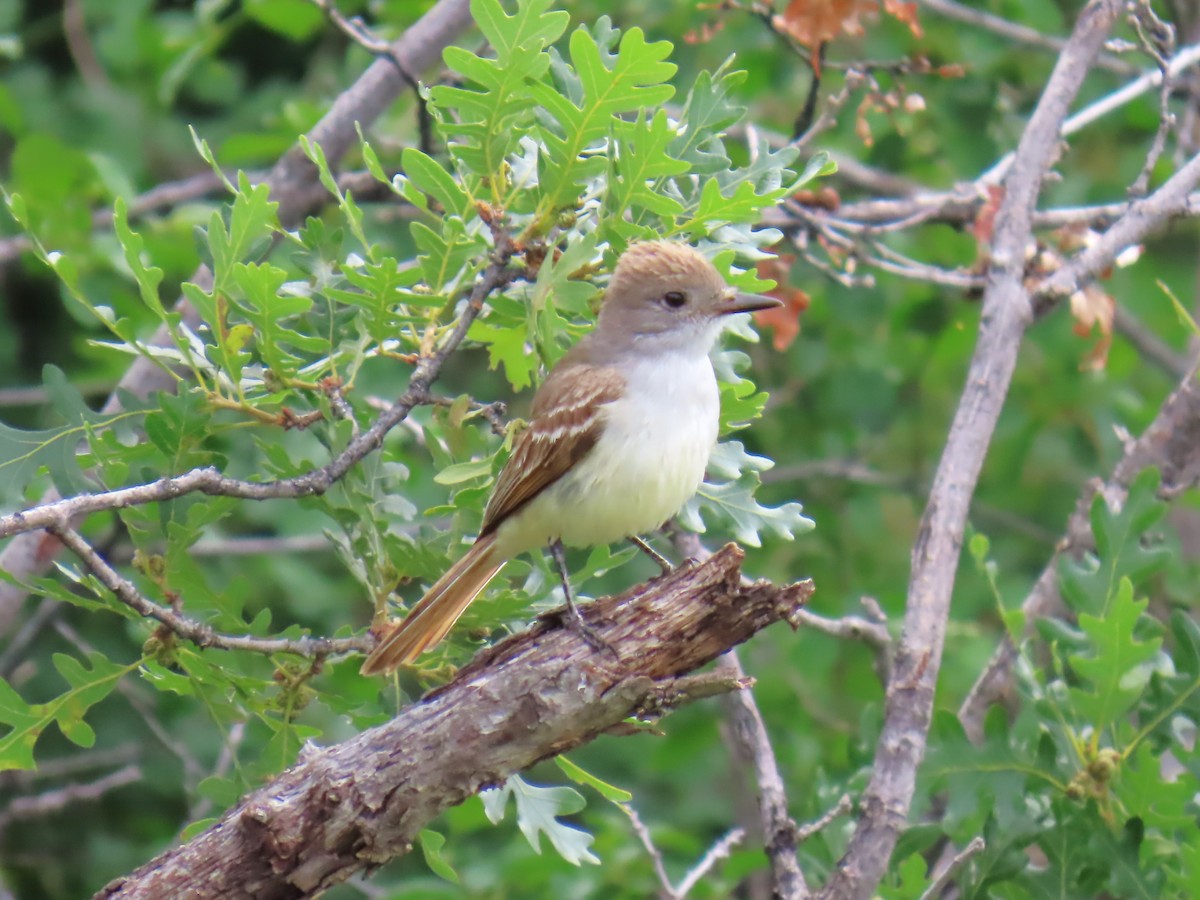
667	291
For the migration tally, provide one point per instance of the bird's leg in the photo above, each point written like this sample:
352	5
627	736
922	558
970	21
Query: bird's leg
663	563
574	620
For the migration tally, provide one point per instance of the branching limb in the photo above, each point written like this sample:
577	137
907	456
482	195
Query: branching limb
939	883
750	738
361	803
1006	314
59	513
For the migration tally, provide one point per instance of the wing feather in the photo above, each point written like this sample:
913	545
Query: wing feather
566	423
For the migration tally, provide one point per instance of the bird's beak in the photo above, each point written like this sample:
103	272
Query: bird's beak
740	303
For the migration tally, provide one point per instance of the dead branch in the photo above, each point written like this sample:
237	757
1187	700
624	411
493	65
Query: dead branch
361	803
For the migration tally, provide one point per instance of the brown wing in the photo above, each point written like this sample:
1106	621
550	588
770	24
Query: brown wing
566	425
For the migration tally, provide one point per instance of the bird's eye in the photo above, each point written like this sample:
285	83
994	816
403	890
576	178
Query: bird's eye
674	299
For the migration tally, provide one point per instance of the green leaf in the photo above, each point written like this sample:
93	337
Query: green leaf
88	686
631	81
1118	666
489	121
435	181
609	792
466	471
252	221
148	277
431	848
24	453
733	502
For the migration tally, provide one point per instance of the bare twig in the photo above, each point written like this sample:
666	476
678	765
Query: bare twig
780	837
198	633
856	628
1006	313
60	798
1014	31
58	513
666	889
750	740
939	883
1147	343
717	852
1142	217
839	809
79	45
292	182
1157	38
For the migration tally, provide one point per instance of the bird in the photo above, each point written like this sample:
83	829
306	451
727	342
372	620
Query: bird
619	437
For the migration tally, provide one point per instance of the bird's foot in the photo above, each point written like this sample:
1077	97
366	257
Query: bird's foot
573	621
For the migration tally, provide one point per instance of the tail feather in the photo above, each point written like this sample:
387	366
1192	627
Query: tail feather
439	609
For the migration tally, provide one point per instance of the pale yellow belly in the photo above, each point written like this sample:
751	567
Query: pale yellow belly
649	461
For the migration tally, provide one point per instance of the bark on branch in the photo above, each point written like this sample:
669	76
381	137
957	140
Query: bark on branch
361	803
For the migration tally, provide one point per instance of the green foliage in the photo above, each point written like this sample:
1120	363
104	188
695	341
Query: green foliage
1094	773
26	721
572	150
1099	768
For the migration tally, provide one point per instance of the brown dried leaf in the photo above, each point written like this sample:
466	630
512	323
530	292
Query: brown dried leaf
985	219
1093	309
816	22
825	198
784	321
906	12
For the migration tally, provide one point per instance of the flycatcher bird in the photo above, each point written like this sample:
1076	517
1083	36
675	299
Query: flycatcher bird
620	435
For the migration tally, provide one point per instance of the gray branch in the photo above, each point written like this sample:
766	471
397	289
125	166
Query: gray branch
1007	312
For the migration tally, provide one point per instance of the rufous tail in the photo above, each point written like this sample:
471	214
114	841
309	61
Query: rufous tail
438	610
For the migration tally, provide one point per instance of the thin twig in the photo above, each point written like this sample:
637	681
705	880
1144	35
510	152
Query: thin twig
293	182
666	889
717	852
975	847
839	809
1157	38
780	837
210	481
198	633
1142	217
60	798
1015	31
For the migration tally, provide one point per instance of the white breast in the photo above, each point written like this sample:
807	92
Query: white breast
648	462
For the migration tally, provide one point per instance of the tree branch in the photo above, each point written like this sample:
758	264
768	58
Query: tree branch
540	693
1006	314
